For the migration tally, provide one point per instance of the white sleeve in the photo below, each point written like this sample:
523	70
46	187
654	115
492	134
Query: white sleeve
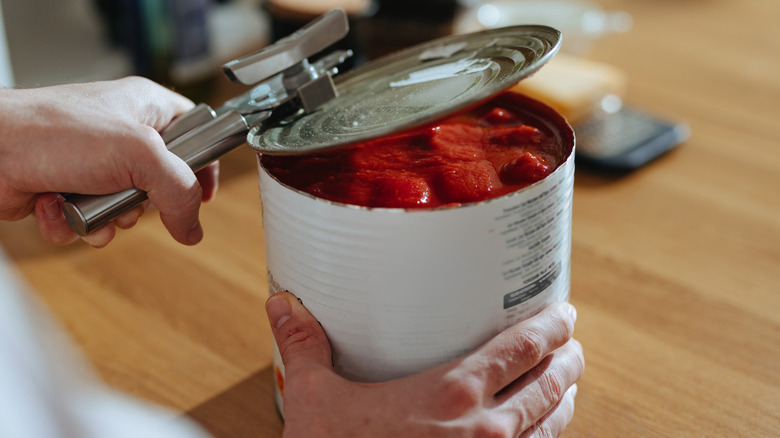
46	389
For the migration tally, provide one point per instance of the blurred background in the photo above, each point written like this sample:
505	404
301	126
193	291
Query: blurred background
674	267
182	43
176	42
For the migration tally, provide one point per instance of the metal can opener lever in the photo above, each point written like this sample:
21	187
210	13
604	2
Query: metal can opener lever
286	82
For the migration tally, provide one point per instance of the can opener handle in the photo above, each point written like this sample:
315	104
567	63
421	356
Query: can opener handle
202	135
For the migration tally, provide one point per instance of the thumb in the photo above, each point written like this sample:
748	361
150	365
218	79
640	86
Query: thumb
300	338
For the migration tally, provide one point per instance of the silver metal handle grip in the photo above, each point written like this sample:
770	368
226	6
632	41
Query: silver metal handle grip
188	121
197	147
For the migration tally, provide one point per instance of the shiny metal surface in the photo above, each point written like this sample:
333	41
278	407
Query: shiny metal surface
202	135
86	213
197	147
289	51
403	90
412	87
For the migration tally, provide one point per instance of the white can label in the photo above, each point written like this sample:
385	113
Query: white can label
400	291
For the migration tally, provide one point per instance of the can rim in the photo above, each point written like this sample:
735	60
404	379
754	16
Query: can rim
568	144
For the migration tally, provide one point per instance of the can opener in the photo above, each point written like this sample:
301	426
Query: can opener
286	82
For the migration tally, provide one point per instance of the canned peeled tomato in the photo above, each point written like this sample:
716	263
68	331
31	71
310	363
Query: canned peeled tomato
399	289
484	153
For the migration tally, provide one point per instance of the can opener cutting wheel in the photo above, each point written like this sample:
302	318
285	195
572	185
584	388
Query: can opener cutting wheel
286	83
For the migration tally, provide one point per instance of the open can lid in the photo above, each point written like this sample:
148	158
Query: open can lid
412	87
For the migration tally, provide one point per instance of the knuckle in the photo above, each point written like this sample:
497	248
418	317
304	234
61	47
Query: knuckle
144	147
544	430
154	165
133	79
299	338
151	106
138	84
532	345
490	428
568	326
295	339
149	138
556	422
552	387
190	196
462	393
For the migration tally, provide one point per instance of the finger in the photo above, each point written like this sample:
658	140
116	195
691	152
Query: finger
170	185
101	237
557	420
51	221
178	200
542	388
208	178
518	349
55	228
300	338
129	218
154	105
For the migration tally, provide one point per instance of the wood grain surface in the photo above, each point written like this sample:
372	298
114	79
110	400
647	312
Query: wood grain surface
675	267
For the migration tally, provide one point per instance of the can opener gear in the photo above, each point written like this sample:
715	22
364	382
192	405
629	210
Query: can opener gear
286	82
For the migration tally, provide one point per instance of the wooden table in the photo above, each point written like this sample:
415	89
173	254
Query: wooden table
675	273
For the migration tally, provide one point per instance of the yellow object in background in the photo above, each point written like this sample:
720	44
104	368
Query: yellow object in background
576	87
308	10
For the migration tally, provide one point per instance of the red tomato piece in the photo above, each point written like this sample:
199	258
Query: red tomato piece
513	136
471	156
527	168
467	182
392	153
499	116
345	188
402	191
457	142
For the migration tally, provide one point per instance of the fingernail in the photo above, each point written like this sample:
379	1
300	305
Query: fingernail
52	210
278	309
95	242
195	234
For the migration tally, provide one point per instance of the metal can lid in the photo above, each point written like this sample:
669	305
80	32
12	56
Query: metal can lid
412	87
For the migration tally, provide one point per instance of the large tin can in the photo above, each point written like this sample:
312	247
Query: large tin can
401	290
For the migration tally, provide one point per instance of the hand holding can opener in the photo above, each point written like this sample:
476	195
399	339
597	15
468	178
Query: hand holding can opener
287	82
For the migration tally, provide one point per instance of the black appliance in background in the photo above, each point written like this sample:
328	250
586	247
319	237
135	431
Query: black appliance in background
167	40
378	28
